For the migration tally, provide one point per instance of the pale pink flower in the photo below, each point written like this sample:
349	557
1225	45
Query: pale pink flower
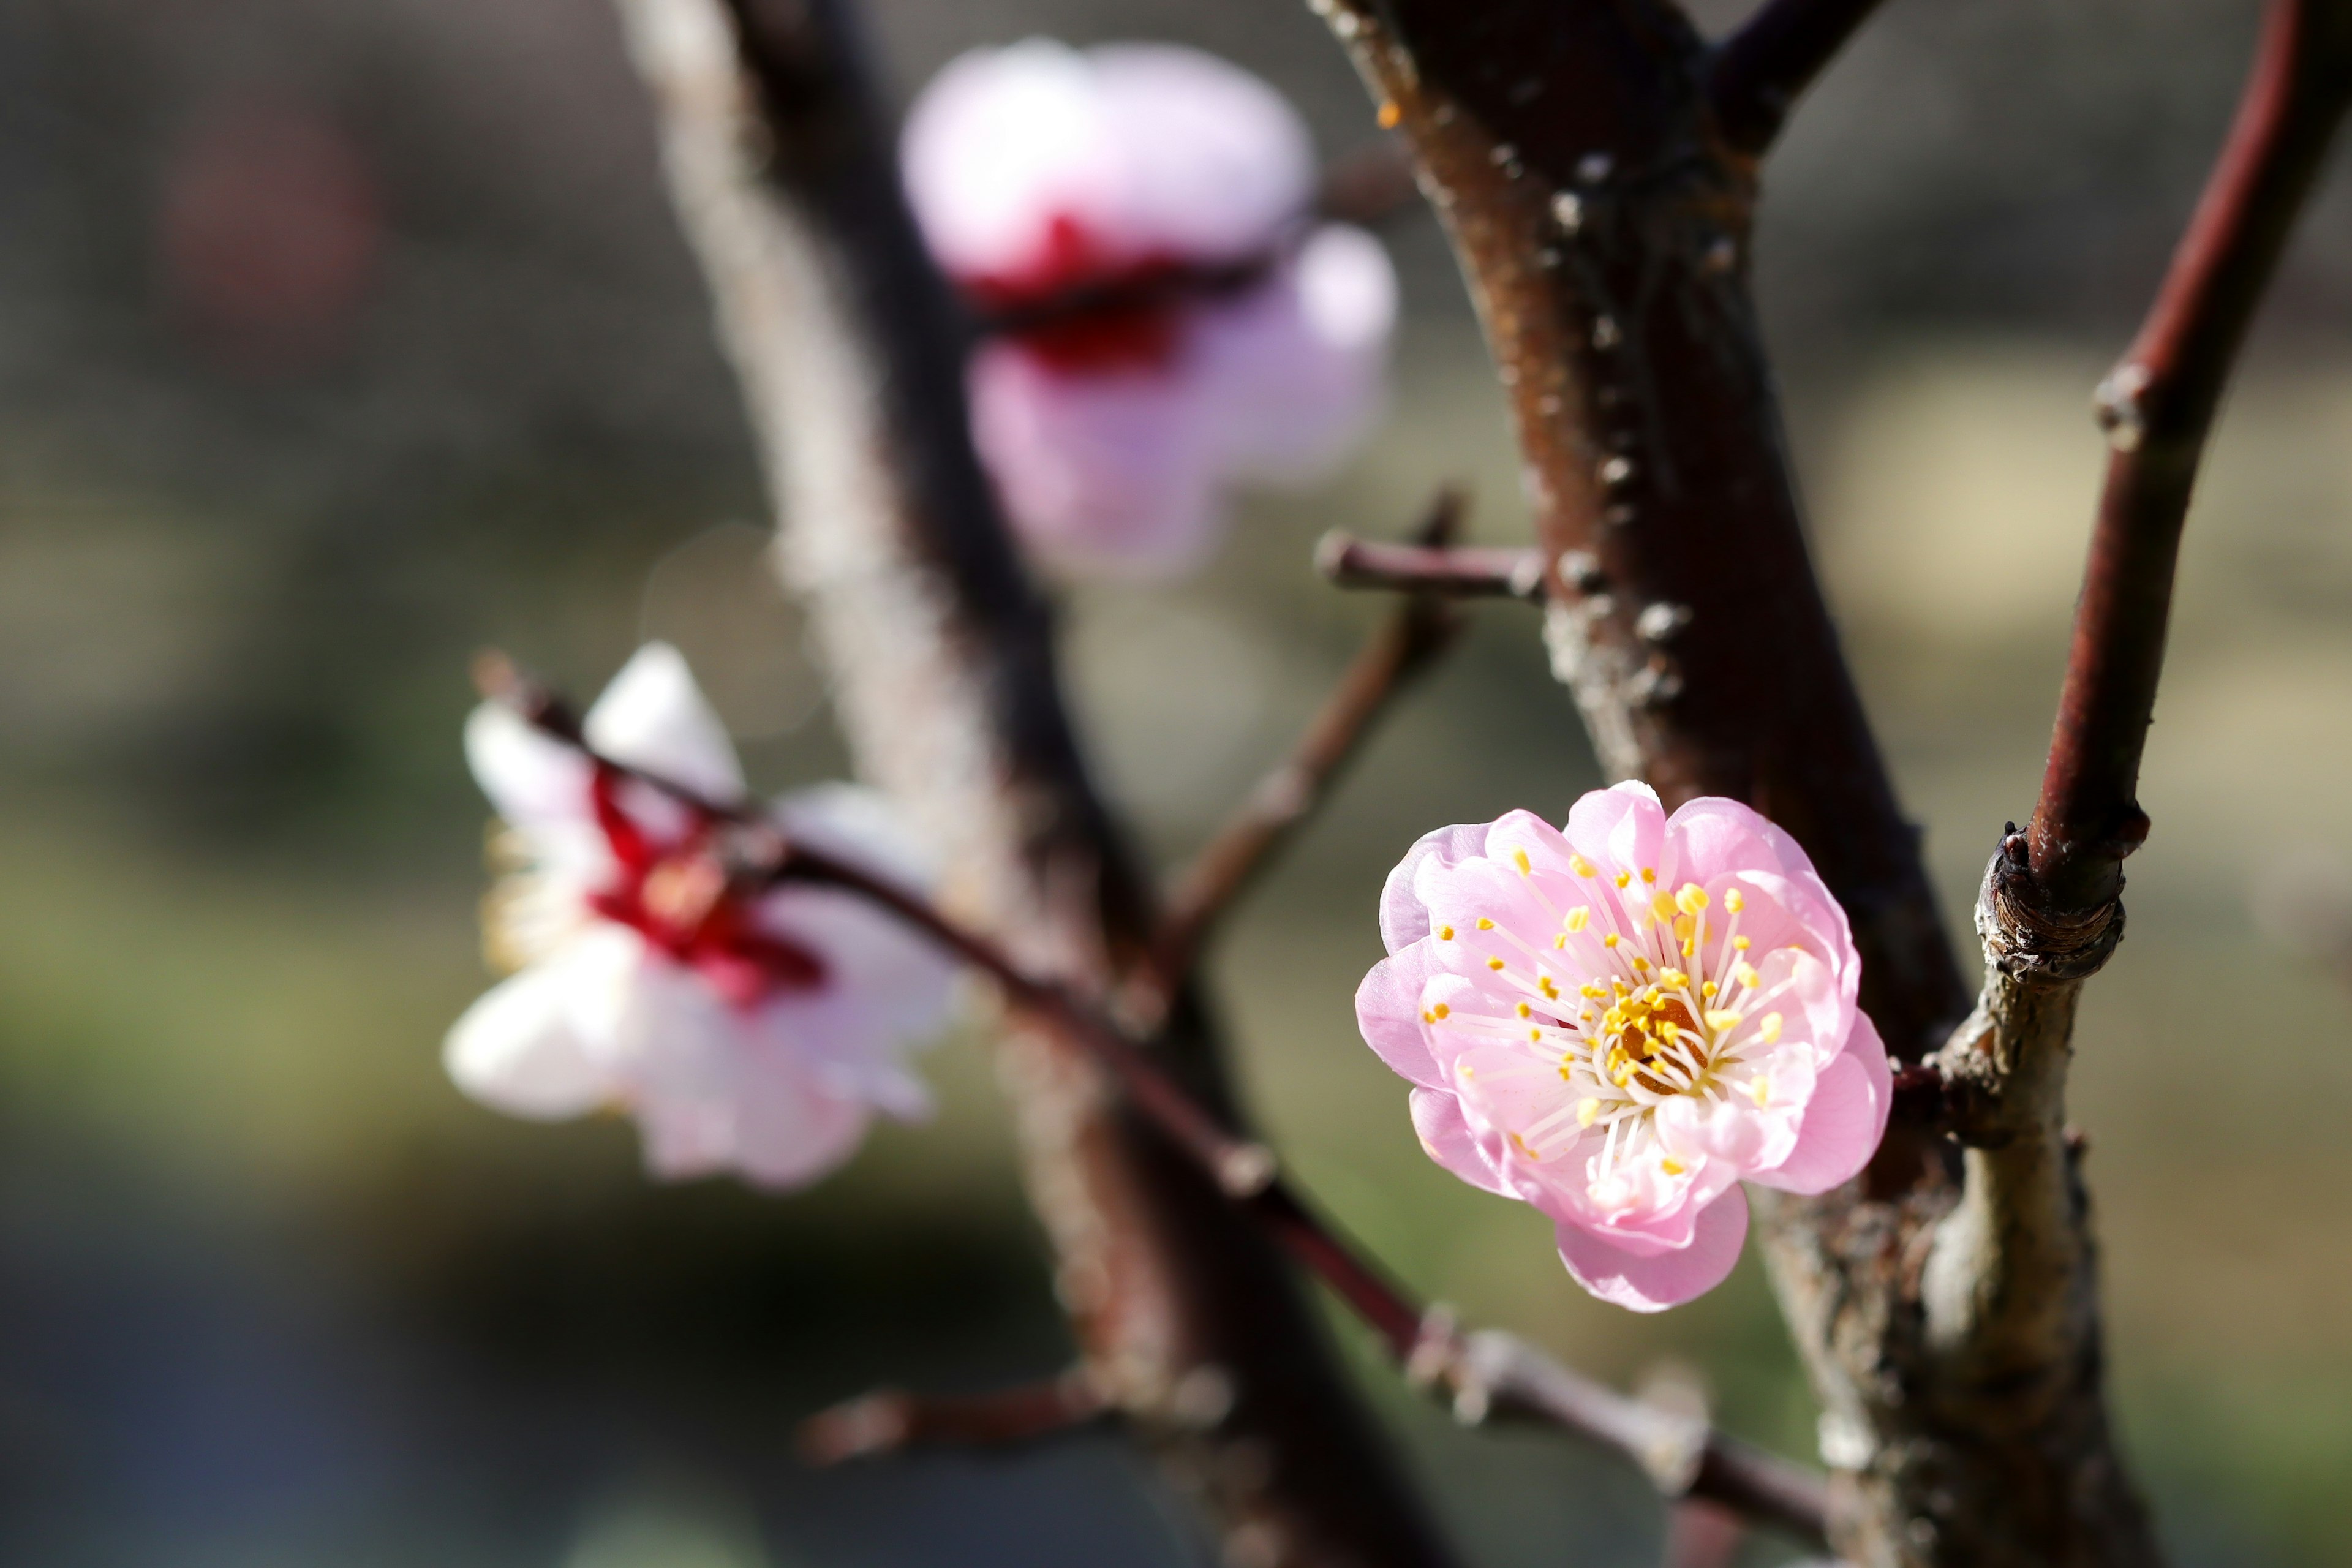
1037	172
756	1033
1620	1022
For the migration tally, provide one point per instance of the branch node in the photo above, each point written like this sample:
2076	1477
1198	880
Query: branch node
2120	405
1245	1170
2028	936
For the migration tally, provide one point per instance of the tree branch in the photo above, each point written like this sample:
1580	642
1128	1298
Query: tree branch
890	1421
2158	406
941	652
1757	74
1458	571
1487	1374
1411	639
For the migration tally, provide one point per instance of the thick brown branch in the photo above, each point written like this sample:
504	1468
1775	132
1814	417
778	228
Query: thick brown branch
1411	639
1757	73
1459	571
890	1420
2158	405
1487	1374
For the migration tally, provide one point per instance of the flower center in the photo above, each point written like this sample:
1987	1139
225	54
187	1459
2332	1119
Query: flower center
1080	311
678	897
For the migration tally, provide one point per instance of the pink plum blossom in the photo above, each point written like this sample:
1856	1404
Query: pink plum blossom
1620	1021
756	1033
1235	339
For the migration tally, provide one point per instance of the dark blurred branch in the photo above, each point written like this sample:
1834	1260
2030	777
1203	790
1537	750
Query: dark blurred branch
889	1420
2158	405
1412	638
1701	1535
1757	73
1487	1374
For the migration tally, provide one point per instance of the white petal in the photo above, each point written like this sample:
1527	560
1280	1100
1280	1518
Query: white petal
654	717
519	1049
532	780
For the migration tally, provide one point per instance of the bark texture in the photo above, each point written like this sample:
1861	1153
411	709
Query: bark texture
850	355
1600	201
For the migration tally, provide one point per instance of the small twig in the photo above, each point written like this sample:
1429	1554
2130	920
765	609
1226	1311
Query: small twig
1701	1535
1759	72
1460	571
1412	637
1369	185
889	1420
1486	1373
2158	406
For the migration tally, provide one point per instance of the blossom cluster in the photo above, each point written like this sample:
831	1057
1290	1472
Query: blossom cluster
1620	1021
1140	216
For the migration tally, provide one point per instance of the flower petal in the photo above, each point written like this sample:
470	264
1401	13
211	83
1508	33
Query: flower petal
1622	825
654	717
1404	919
533	780
1388	1010
1653	1284
517	1049
1447	1139
789	1130
1844	1120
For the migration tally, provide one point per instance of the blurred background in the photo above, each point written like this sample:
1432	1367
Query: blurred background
336	340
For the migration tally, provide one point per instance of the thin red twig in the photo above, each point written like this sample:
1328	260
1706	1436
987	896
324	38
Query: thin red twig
2158	405
889	1420
1759	71
1488	1372
1412	638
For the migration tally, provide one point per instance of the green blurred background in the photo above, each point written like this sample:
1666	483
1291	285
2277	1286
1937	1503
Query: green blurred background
338	339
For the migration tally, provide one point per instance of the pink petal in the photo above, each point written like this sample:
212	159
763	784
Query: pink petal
654	717
1447	1139
1844	1120
1621	825
1669	1278
1404	919
1388	1010
1294	373
788	1131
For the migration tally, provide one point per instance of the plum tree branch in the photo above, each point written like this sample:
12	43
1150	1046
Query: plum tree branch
1457	571
2158	406
1754	76
890	1420
1412	638
1488	1373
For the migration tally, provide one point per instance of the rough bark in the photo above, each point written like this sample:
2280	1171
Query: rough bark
850	356
1598	197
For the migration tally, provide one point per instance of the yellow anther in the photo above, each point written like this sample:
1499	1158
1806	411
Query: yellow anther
1428	1017
1524	1010
1485	924
1609	941
1671	1167
1760	1091
1707	990
1446	933
1588	1111
1691	898
1640	965
1519	858
1745	972
1721	1018
1684	926
1739	943
1389	115
1560	942
1441	1010
1768	1026
1673	979
1662	906
1649	874
1535	1035
1545	984
1734	901
1690	948
1580	917
1589	990
1623	878
1581	867
1493	963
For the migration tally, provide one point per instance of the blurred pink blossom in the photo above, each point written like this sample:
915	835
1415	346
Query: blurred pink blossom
1620	1022
1227	336
756	1034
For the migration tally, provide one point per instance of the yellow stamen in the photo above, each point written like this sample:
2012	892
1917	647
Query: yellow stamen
1535	1035
1640	965
1649	874
1768	1026
1721	1018
1691	898
1623	878
1708	991
1581	867
1441	1010
1739	943
1671	1167
1673	979
1493	963
1544	983
1446	933
1485	924
1524	1010
1580	917
1519	858
1588	1111
1609	941
1733	900
1759	1091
